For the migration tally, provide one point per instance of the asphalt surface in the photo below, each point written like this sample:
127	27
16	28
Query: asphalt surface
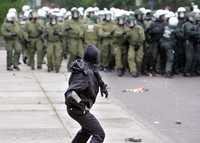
32	110
168	101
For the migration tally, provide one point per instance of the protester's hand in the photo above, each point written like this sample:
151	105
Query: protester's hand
104	91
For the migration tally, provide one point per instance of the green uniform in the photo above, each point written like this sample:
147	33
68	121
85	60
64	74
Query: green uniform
65	38
147	49
147	24
42	23
119	46
13	46
90	35
54	50
189	35
24	43
99	39
75	31
107	51
136	39
34	32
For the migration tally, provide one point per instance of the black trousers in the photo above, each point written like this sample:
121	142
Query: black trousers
167	55
90	127
154	54
146	65
179	59
196	59
189	52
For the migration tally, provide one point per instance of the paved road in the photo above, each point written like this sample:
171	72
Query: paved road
27	113
167	101
32	110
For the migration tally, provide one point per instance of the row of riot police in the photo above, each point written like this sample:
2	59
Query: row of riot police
173	44
56	36
140	41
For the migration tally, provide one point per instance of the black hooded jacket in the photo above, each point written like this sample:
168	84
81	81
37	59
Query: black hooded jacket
85	80
156	30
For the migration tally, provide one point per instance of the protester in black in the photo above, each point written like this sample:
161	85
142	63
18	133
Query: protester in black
84	84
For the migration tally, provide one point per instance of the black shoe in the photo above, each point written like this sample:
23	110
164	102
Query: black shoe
145	73
39	67
57	70
32	68
50	69
187	74
101	68
17	68
65	56
107	69
120	72
9	68
176	72
198	73
134	74
194	74
168	75
25	60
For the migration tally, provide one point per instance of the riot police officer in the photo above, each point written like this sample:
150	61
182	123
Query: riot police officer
54	50
75	31
196	60
180	48
34	31
135	36
156	31
167	46
189	36
12	34
105	33
139	15
119	45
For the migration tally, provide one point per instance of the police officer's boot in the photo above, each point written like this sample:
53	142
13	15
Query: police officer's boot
168	75
32	68
9	68
65	56
39	67
120	72
134	74
17	68
187	74
50	69
198	72
25	60
101	68
57	70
